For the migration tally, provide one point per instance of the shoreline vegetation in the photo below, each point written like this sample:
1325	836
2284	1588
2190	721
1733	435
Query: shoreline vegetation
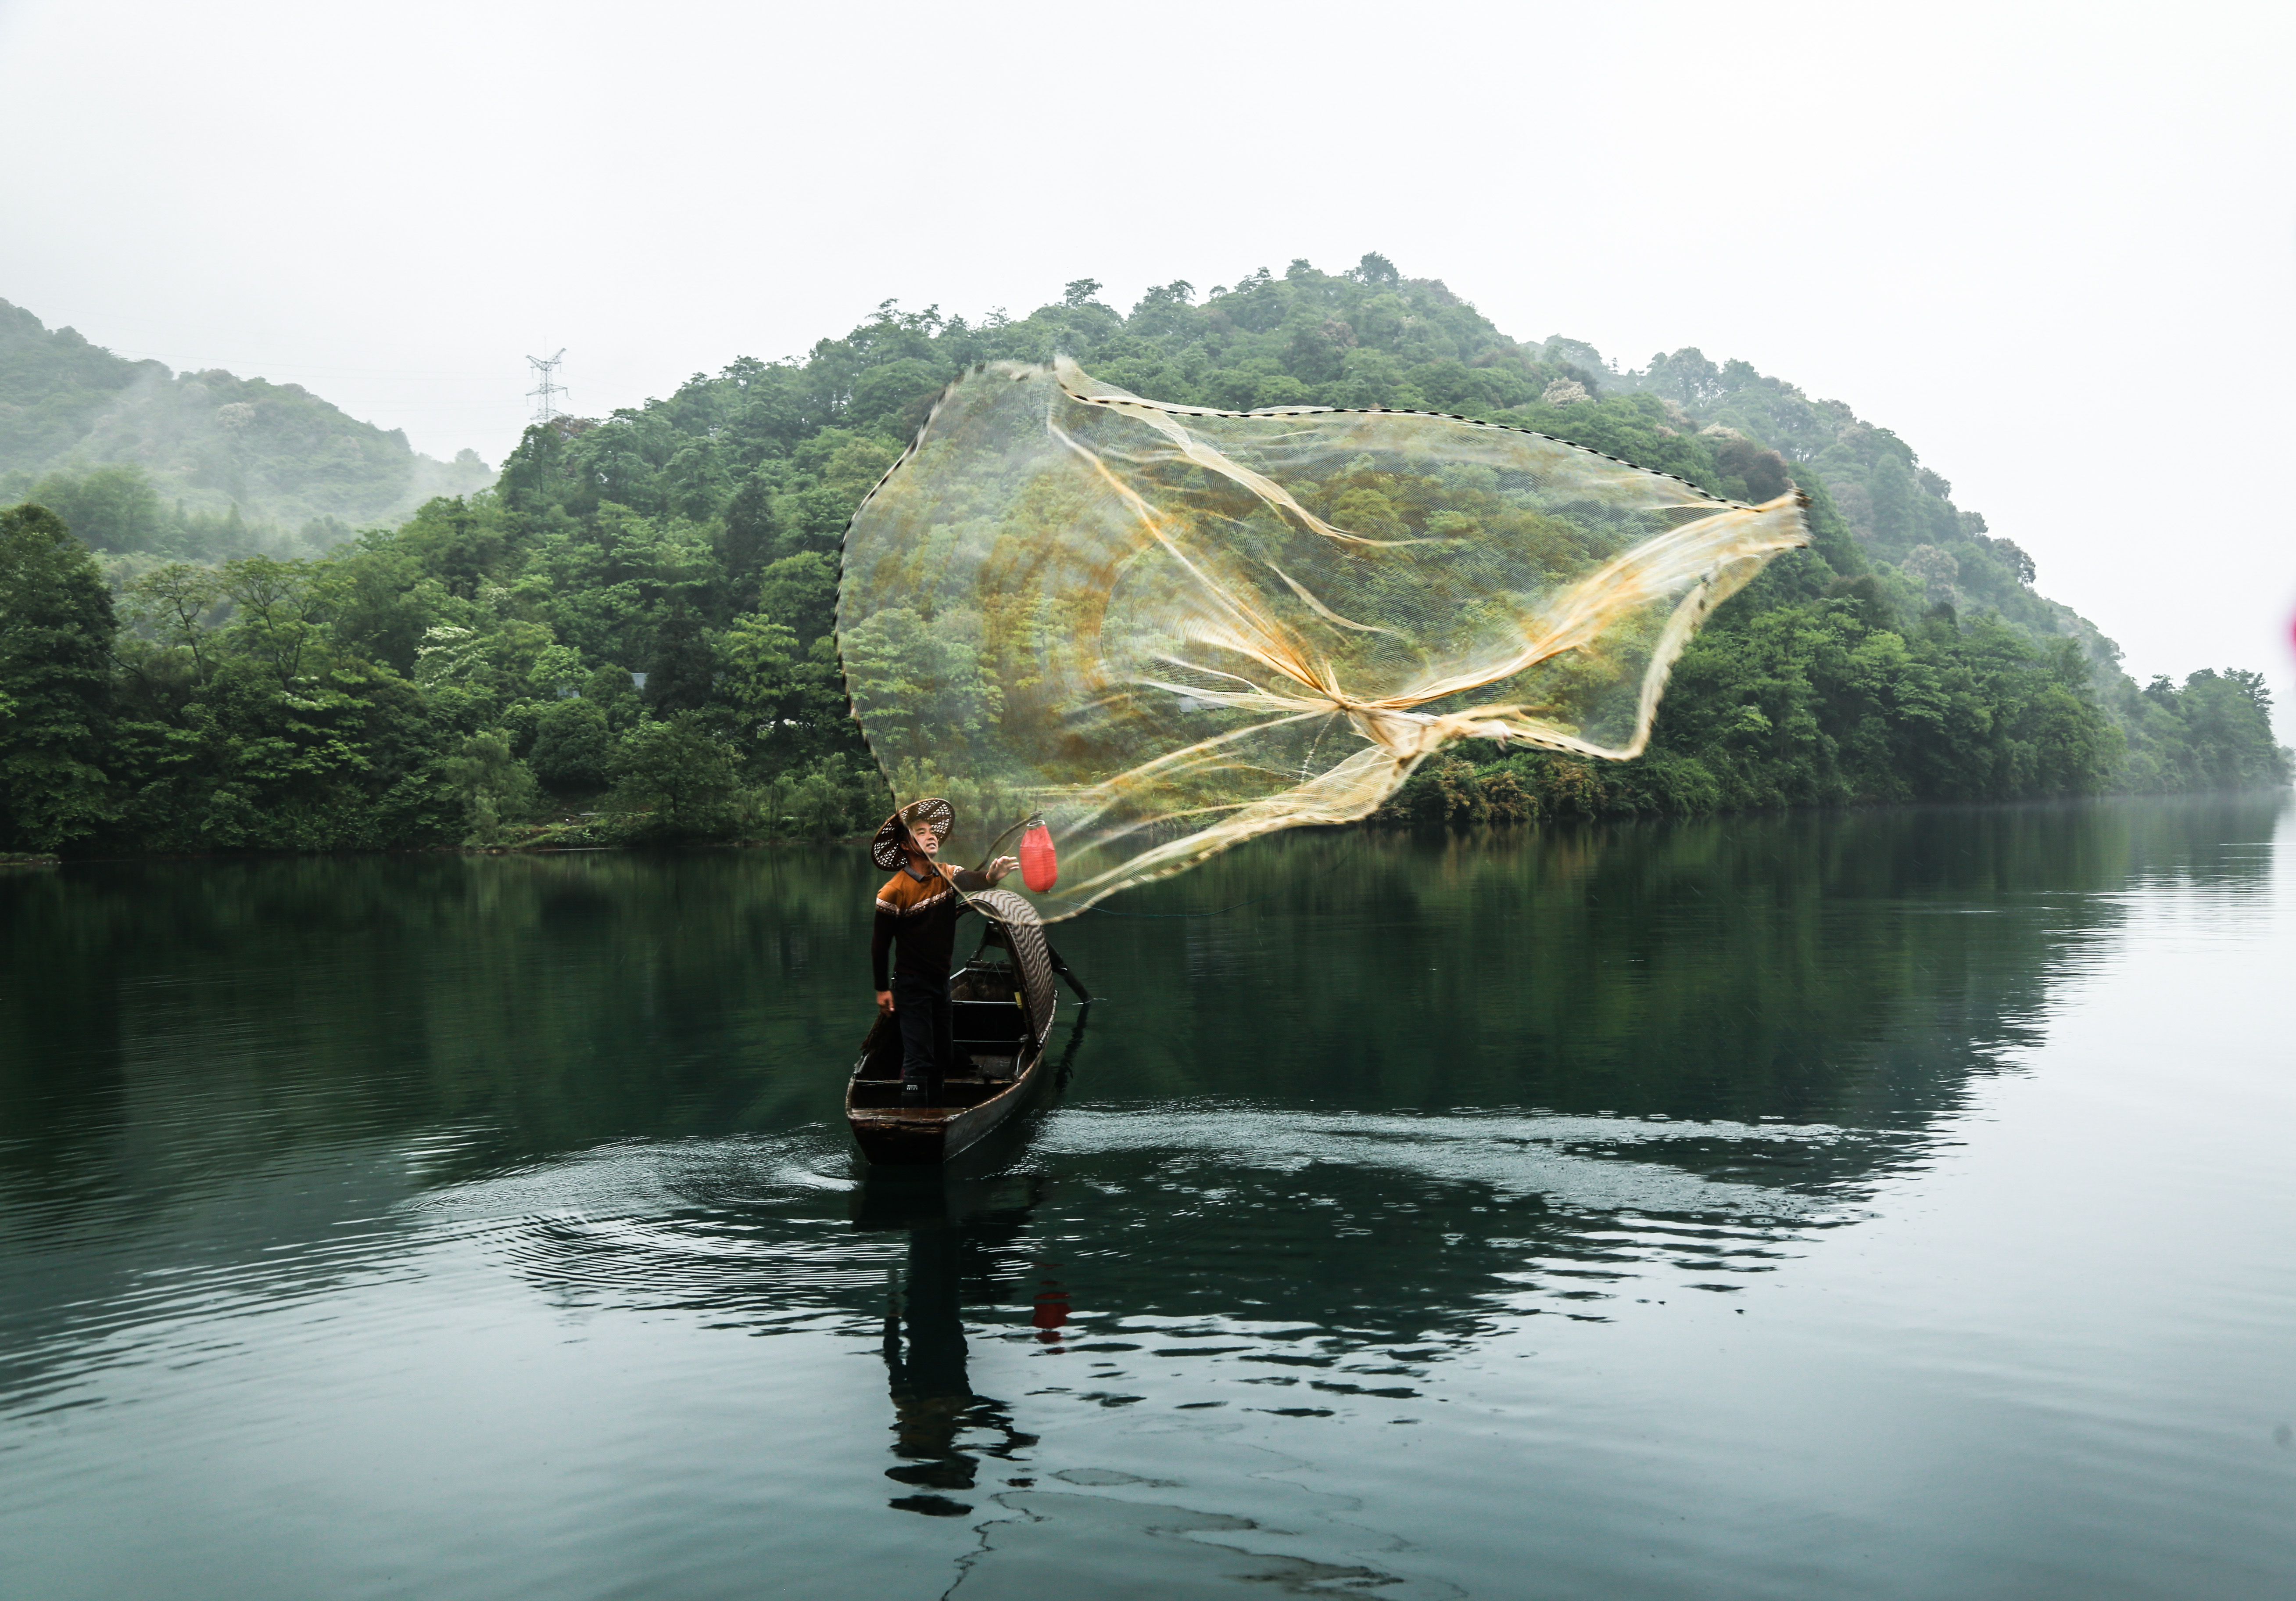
1459	821
628	638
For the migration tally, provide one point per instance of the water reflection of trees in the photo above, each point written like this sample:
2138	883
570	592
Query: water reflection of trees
551	1001
1746	967
169	1028
1857	965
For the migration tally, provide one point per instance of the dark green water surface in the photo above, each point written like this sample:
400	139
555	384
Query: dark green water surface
1839	1205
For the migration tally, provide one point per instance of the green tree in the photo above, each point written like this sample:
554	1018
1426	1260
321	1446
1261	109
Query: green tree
573	745
278	612
176	605
56	627
675	776
930	675
112	508
762	673
497	788
800	592
752	528
683	677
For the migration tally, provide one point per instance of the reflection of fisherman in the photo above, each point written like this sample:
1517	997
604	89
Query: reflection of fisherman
933	1403
940	1428
916	915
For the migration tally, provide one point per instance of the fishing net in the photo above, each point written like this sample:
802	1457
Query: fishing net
1032	963
1168	630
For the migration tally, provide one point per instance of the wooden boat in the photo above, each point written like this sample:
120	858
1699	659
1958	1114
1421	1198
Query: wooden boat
1001	1006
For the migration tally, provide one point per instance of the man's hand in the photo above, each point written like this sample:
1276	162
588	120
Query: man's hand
885	1002
1000	867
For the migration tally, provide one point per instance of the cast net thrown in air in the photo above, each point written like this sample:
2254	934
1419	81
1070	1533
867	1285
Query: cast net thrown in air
1168	630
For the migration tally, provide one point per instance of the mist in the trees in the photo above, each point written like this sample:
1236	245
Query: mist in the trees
630	634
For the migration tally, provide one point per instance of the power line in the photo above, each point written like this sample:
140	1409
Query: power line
544	394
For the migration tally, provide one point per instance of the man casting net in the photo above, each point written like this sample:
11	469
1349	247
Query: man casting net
1167	629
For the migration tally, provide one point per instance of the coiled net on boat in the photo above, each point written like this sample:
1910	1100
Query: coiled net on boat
1032	963
1168	630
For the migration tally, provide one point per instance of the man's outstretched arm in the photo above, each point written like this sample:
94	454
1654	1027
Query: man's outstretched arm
967	880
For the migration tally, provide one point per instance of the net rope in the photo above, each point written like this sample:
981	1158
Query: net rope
1169	628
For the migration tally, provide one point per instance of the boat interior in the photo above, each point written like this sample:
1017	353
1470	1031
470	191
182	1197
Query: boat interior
988	1027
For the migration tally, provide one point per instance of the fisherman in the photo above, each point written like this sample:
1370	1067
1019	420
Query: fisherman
916	914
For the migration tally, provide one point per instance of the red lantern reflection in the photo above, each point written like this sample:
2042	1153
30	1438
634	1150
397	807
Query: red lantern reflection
1051	1313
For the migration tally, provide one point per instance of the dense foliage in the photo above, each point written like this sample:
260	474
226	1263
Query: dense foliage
144	462
630	634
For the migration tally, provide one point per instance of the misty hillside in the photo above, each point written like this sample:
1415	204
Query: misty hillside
633	629
1928	551
248	462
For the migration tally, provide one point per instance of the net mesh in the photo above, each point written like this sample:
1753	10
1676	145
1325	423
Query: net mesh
1024	937
1170	629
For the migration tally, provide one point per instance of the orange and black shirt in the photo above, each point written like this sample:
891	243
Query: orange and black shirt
916	915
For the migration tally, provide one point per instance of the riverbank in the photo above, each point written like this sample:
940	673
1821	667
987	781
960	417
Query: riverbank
1451	796
1533	786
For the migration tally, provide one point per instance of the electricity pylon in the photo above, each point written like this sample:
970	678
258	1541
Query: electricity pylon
544	394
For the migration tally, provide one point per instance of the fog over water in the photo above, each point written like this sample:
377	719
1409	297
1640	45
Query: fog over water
2051	246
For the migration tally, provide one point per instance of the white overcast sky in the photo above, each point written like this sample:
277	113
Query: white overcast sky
2053	246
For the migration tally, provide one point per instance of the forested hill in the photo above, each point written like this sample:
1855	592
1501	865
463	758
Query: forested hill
629	635
147	462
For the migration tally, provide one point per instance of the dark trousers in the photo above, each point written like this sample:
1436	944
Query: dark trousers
921	1006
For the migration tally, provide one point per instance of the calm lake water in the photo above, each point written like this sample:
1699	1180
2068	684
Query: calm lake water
1886	1204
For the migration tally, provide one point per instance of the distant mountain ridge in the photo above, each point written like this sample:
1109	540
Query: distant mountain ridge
209	441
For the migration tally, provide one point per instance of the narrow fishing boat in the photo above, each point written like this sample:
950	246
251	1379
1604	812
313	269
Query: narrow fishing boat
1001	1006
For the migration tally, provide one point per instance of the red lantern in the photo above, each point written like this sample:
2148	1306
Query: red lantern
1040	864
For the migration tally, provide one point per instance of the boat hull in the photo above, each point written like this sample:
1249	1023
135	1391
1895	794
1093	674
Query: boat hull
911	1136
